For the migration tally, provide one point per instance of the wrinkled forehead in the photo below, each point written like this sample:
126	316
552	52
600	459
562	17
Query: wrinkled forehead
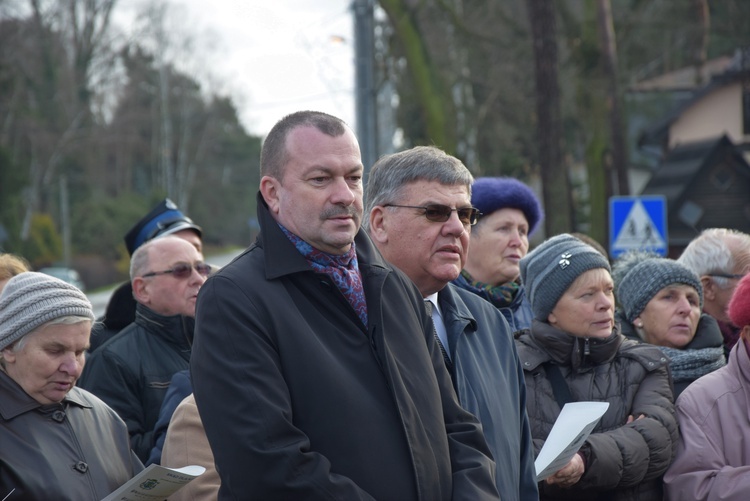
596	277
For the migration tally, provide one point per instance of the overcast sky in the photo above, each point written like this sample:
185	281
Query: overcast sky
273	56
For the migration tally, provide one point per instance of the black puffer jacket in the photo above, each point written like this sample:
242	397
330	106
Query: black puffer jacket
623	461
132	371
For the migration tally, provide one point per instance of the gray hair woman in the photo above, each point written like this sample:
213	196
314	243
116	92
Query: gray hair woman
660	304
56	438
574	352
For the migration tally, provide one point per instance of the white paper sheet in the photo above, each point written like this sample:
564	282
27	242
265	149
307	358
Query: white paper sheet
155	483
572	428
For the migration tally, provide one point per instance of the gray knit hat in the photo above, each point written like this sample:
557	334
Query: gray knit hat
32	299
552	267
645	278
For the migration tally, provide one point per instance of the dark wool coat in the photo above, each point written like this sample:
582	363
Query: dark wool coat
623	461
132	371
76	450
300	400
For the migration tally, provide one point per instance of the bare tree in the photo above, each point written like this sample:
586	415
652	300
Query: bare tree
555	183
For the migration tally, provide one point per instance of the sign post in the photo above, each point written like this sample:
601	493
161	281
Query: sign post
638	223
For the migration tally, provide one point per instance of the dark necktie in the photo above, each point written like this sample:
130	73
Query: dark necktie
446	358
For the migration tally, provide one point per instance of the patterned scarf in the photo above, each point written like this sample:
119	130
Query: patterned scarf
689	365
499	295
343	270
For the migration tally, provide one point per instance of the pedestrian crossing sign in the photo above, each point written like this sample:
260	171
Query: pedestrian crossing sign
638	223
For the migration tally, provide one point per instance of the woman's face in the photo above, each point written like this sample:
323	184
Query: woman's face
50	360
497	244
671	317
586	309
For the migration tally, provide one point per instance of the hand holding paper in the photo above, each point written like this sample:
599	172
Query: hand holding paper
572	428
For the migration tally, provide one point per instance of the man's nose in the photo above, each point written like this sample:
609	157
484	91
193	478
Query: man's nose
343	193
454	226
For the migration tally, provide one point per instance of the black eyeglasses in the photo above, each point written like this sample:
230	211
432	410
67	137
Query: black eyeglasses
182	271
726	275
441	213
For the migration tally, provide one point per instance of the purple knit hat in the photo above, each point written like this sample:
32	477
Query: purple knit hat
489	194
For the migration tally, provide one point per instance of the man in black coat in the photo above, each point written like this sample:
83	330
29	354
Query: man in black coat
314	367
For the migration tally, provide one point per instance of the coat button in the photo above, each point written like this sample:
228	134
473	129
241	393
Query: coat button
663	359
81	467
527	364
58	416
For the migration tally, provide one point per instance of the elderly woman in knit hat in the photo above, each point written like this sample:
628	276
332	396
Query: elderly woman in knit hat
573	352
713	456
660	304
58	441
510	214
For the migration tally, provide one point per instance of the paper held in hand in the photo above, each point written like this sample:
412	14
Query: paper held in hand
572	428
155	483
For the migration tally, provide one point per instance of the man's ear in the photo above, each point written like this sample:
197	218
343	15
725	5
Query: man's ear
745	333
140	291
378	231
269	189
709	288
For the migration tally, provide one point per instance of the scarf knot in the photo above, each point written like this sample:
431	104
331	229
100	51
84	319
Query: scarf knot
342	269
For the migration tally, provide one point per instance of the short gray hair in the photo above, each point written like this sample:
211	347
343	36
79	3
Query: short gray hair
139	261
21	342
273	154
717	250
391	173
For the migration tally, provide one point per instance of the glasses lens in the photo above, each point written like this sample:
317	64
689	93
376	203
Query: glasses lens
182	270
437	213
203	269
467	215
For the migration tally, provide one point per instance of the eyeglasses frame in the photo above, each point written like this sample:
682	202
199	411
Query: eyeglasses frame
474	216
193	266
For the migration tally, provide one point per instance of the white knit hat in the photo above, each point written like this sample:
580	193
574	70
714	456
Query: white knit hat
30	300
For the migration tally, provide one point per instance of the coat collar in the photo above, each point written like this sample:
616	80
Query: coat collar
15	401
578	353
175	329
282	258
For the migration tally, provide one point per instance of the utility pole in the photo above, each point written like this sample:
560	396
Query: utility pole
364	50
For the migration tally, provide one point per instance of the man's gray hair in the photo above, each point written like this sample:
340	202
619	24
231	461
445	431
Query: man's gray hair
139	261
273	155
391	173
717	250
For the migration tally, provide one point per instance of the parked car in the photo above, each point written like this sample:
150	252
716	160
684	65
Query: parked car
65	274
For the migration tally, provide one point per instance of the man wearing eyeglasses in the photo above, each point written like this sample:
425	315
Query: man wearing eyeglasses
132	371
164	219
720	257
314	367
420	217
